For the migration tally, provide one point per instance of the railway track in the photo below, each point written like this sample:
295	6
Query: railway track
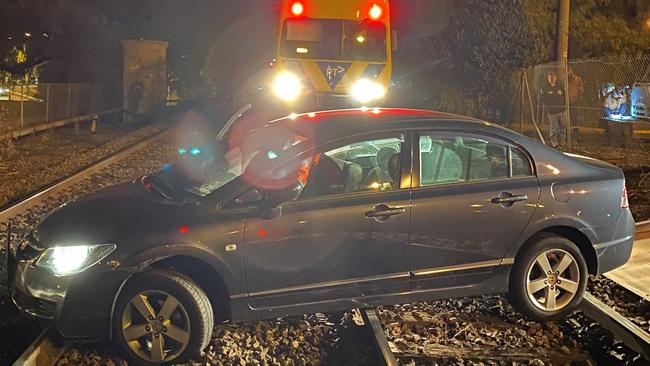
22	205
35	199
45	351
48	346
634	337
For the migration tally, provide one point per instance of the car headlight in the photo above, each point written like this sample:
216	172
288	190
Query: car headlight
64	261
287	86
366	91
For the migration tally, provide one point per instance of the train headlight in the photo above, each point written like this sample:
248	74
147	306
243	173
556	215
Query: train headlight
287	86
366	91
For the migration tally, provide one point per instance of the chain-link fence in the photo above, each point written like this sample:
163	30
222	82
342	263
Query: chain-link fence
25	105
592	106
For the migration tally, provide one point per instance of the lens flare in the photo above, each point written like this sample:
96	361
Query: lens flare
287	86
366	91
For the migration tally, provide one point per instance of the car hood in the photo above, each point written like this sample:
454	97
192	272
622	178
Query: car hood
105	217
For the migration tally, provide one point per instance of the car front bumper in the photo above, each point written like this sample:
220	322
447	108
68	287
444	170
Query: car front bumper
616	252
80	306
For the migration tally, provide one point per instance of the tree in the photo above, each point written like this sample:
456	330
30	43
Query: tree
67	41
486	41
606	27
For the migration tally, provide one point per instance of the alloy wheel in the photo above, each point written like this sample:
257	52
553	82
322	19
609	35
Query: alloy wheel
553	280
156	327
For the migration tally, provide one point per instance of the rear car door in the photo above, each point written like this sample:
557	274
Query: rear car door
345	237
473	196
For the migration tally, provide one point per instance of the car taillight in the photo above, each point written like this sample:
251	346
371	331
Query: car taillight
624	202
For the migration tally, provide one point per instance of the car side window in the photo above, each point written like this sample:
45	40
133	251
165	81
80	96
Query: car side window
439	162
370	165
520	164
456	159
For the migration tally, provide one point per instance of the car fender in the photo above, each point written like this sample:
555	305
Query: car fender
145	259
539	224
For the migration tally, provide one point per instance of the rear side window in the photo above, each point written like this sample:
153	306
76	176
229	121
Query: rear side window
440	164
457	159
520	164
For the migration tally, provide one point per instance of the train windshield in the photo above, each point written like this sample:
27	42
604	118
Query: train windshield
334	39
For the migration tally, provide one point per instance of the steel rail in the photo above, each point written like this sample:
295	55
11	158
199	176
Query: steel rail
622	328
10	211
371	319
37	198
642	230
44	351
49	345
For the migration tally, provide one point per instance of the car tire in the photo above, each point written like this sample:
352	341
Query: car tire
537	289
179	322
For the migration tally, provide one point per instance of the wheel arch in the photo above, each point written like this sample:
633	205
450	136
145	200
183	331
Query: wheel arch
206	276
576	236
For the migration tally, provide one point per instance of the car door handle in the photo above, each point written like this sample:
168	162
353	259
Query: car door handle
508	197
384	212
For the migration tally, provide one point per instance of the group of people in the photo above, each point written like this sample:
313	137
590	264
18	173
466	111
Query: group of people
555	101
615	100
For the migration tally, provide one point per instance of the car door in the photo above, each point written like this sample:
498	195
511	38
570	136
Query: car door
345	237
473	196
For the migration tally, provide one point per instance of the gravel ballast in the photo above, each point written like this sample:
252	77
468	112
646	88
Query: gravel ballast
29	164
146	160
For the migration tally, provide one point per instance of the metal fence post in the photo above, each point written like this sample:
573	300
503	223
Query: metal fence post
47	103
76	124
569	134
93	126
22	106
68	109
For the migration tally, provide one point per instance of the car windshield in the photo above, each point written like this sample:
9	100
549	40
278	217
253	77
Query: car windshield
209	168
333	39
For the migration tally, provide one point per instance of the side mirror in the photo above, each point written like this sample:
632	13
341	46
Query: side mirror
252	196
272	205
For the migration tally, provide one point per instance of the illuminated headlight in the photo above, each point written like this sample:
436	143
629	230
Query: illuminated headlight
366	91
287	86
65	261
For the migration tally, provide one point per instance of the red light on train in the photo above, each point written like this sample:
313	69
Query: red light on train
376	12
297	9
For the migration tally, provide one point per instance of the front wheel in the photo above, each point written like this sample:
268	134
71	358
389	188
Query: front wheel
548	278
161	318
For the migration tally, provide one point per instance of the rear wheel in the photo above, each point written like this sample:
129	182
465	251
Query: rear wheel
548	278
163	318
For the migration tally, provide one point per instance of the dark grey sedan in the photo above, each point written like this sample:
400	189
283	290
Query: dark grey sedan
323	212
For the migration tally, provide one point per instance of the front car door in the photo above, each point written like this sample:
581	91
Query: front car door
473	196
345	237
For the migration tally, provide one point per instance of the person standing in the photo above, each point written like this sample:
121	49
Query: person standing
576	90
555	103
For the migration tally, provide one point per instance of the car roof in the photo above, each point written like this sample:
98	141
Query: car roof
328	125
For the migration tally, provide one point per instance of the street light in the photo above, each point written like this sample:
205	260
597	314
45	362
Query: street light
27	34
